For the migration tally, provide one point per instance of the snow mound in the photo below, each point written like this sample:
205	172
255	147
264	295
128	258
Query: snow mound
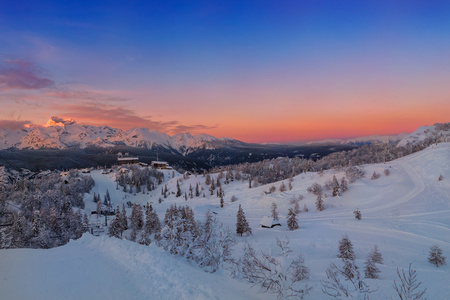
103	267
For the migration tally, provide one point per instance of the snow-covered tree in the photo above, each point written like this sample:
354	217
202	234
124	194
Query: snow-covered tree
213	245
339	285
178	194
375	255
344	185
282	187
152	223
115	227
346	248
435	257
242	225
274	211
335	186
280	274
375	176
357	214
124	218
319	203
137	221
291	220
370	269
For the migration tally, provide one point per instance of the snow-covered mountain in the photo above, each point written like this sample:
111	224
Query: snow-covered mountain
62	133
437	131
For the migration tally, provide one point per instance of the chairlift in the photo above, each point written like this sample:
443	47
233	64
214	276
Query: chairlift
6	219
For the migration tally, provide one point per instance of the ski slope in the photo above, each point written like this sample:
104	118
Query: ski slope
404	213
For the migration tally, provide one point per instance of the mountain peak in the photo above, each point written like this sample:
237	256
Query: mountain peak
58	121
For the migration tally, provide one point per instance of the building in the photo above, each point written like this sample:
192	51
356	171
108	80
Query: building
127	160
162	165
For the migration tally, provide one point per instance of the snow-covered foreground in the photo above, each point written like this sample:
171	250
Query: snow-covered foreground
404	213
105	268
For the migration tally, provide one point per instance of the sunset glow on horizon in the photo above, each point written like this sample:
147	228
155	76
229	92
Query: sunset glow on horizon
256	71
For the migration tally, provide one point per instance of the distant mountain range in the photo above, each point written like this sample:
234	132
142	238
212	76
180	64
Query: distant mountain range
63	143
61	133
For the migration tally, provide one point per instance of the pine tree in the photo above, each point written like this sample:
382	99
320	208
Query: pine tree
335	186
124	218
319	203
213	187
357	213
371	270
197	191
178	189
375	255
274	211
282	187
242	225
208	179
152	224
115	228
346	248
435	257
108	197
344	185
137	221
292	222
99	208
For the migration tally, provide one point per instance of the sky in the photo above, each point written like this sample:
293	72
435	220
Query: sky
257	71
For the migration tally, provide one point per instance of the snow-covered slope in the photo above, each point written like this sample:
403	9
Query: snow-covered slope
404	213
362	140
61	134
424	132
105	268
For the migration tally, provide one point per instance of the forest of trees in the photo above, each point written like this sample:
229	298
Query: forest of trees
46	209
283	168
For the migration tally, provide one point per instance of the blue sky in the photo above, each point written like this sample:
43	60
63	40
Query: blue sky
284	70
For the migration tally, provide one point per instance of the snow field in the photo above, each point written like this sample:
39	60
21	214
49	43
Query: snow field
404	213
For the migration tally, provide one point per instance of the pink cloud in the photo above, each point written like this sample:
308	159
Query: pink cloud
117	116
13	125
22	75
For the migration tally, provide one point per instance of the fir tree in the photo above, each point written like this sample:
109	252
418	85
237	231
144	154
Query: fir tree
435	257
344	185
178	189
274	211
375	255
242	225
371	270
124	218
115	228
197	191
292	222
319	203
335	186
346	248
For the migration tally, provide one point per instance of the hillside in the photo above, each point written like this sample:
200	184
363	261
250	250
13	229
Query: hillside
404	214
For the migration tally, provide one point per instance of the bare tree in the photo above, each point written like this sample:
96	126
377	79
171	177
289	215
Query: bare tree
337	286
408	287
279	275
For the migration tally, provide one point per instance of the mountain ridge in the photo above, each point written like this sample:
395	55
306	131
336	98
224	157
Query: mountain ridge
59	133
